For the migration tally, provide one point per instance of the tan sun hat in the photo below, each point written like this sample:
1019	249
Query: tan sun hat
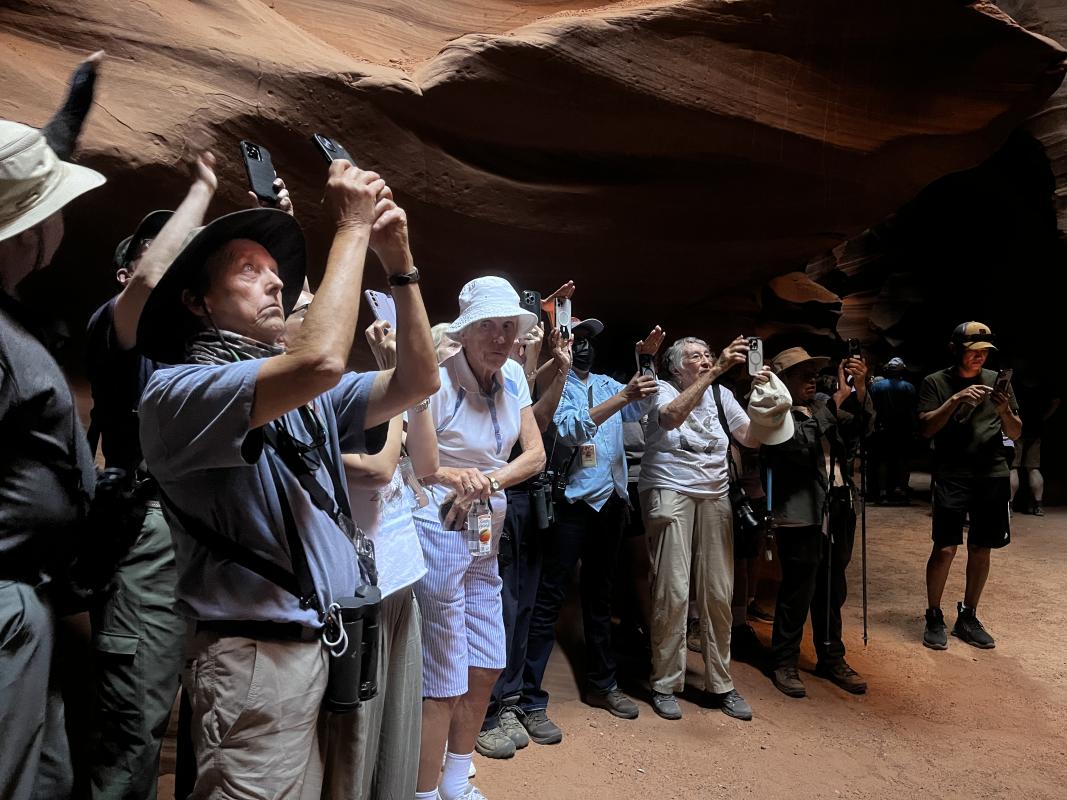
769	417
34	183
795	356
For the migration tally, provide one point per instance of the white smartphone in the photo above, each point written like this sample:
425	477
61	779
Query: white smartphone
563	316
755	355
382	306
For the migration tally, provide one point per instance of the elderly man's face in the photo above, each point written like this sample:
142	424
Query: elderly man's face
245	294
695	360
488	342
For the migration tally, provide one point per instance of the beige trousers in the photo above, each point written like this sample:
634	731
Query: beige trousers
689	532
255	713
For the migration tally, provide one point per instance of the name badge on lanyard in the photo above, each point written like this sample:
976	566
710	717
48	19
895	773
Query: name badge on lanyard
587	451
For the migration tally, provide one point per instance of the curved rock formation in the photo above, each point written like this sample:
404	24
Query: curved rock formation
660	154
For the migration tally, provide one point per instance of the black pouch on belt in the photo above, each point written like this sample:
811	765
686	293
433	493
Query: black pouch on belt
354	626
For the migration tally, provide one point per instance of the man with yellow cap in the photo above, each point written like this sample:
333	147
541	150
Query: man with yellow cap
966	419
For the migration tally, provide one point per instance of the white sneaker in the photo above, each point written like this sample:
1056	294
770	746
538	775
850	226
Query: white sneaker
472	793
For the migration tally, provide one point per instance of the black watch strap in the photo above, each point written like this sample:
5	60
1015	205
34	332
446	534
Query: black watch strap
405	279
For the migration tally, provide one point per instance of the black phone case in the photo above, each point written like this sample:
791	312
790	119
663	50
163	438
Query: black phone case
338	151
260	172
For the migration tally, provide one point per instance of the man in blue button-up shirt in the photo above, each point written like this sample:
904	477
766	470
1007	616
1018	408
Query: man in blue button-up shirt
589	526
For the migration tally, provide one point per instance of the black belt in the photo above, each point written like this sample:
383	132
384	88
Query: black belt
254	629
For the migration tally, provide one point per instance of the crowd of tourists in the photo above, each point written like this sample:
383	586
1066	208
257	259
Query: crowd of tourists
355	577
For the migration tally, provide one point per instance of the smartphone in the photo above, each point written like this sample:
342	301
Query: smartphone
260	171
330	149
382	306
563	316
646	365
755	355
531	301
854	349
1003	381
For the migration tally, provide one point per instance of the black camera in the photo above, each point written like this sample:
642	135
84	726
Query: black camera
353	677
746	523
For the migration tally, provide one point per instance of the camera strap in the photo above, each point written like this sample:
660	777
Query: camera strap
731	465
337	506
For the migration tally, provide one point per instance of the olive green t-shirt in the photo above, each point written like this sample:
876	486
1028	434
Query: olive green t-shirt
971	449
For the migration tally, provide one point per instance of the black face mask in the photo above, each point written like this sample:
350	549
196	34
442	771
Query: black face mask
582	355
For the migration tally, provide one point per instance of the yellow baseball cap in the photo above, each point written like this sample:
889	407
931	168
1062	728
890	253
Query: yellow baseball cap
973	336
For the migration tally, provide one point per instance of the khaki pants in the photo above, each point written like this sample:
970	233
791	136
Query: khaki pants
255	714
684	531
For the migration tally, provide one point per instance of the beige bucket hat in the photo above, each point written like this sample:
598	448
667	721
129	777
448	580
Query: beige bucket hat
34	183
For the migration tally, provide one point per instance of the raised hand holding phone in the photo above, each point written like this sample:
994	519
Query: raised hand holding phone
260	171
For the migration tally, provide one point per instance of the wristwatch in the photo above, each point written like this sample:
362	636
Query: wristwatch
494	484
405	279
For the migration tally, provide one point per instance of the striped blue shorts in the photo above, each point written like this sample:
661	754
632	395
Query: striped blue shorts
459	597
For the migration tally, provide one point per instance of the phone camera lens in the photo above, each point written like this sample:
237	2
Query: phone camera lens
253	151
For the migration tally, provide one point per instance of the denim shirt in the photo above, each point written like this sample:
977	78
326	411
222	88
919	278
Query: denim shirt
574	427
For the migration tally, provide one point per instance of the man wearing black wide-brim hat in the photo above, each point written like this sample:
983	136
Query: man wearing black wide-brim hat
245	438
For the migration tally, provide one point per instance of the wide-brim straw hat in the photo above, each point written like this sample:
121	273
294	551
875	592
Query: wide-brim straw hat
794	357
34	183
165	321
769	412
490	297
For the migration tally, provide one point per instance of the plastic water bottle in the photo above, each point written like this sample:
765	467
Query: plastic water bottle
479	529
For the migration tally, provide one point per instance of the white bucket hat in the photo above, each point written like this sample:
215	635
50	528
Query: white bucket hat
769	404
490	298
34	183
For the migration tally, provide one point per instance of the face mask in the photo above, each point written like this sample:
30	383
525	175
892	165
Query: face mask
582	354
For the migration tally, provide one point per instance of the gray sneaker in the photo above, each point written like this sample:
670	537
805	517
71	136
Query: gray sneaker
509	723
935	636
494	743
542	730
666	705
734	705
615	702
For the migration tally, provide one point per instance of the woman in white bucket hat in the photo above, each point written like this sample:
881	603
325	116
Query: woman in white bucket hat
482	409
48	470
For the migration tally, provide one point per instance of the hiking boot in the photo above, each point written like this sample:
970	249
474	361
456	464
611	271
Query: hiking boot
509	723
494	743
615	702
732	704
542	730
787	681
692	635
840	673
935	636
970	630
666	705
1037	510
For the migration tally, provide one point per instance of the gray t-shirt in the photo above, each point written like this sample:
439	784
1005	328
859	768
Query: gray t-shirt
195	434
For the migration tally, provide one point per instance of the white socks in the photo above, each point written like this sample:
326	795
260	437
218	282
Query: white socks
454	776
430	795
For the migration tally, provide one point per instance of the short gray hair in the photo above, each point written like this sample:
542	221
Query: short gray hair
673	357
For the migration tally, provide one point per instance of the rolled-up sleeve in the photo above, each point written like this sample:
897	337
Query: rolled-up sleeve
197	417
572	419
350	399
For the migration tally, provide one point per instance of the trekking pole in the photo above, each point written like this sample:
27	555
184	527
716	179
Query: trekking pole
863	531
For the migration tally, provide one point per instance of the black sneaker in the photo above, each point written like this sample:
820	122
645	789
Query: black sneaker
936	634
1037	510
787	681
542	730
970	630
615	702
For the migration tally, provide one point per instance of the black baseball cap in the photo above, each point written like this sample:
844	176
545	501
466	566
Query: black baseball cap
147	228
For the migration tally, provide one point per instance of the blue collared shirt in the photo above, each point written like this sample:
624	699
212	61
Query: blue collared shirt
574	427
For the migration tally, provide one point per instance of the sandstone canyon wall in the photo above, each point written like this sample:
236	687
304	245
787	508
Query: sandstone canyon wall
665	155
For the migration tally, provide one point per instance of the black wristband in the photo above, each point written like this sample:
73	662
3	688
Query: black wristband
405	279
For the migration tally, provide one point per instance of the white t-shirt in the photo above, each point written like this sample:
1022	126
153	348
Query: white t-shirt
385	516
691	459
474	429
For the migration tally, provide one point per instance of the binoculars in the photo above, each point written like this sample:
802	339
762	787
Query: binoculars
353	677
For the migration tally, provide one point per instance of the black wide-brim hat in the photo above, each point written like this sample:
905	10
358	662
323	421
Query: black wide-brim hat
166	322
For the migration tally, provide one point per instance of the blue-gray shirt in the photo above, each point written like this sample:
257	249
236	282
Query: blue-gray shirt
195	426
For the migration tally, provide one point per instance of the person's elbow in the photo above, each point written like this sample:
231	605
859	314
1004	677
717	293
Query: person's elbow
320	371
417	385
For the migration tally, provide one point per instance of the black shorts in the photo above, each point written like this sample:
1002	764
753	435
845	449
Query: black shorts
983	500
